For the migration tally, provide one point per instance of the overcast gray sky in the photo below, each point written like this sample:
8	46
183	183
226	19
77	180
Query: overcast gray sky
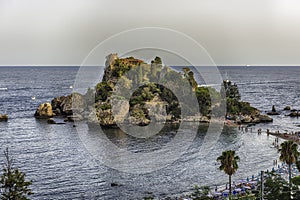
63	32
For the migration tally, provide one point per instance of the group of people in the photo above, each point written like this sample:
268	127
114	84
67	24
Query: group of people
275	143
242	128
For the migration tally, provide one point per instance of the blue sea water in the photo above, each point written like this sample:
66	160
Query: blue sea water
55	158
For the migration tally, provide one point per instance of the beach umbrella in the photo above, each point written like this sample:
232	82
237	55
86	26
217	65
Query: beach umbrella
217	193
247	187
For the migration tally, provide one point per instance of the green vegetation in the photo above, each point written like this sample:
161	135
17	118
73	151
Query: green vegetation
233	99
103	91
277	188
200	193
12	182
229	165
155	80
289	154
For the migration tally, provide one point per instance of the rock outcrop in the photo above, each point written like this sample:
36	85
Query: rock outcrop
72	107
287	108
294	113
249	119
66	105
44	111
273	112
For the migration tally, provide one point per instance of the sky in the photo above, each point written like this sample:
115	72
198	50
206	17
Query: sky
233	32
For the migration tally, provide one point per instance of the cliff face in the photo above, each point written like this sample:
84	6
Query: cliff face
120	85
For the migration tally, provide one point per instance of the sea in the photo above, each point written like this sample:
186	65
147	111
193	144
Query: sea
57	160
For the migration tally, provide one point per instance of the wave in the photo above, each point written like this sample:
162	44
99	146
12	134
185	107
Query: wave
3	89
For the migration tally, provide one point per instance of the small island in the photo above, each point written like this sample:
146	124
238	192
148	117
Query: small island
146	86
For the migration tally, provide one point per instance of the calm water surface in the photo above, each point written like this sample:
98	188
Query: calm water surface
55	158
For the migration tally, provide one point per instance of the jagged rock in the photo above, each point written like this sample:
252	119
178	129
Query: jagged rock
44	111
273	109
246	119
92	118
3	117
273	112
66	105
106	118
287	108
157	109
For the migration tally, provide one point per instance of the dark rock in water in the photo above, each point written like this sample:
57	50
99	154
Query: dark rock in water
273	112
44	111
65	105
115	184
3	118
273	109
51	121
287	108
294	114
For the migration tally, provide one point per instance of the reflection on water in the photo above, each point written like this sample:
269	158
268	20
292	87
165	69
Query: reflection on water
191	168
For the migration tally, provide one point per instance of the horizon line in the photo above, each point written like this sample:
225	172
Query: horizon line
218	65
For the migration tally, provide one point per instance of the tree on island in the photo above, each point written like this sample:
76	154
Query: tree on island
229	165
12	182
289	154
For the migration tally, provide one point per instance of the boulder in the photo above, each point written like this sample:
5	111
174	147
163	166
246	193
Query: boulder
294	114
273	112
65	105
265	118
44	111
3	117
287	108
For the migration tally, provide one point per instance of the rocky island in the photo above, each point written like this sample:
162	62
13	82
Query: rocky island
142	93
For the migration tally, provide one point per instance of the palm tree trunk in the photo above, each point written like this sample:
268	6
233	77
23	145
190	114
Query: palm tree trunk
290	175
229	186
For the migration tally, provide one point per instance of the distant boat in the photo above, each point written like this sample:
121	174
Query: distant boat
33	97
3	88
248	65
71	86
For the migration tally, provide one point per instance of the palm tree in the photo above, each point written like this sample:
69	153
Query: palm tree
289	154
229	165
